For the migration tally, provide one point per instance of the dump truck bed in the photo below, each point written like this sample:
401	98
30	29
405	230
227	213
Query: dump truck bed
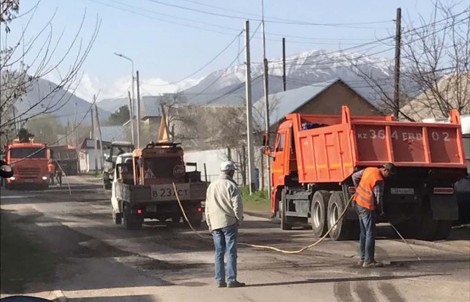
335	145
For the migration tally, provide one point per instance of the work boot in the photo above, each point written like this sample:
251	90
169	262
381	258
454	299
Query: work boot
236	284
373	263
221	284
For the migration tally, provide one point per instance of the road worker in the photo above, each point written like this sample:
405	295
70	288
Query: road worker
224	213
368	198
51	170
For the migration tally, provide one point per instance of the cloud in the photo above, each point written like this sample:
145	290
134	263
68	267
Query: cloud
90	85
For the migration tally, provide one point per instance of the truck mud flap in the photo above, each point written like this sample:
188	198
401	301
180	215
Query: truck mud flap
444	207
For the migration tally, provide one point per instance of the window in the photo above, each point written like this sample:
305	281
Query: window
28	152
280	142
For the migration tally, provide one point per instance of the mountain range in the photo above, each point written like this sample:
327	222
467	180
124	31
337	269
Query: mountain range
227	86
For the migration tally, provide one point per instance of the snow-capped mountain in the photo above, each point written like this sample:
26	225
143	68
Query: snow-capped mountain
228	86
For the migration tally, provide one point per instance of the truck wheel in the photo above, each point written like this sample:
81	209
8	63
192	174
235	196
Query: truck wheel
345	228
443	229
406	228
285	222
426	227
131	222
318	212
117	218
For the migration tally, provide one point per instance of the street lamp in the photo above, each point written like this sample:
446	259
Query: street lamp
132	103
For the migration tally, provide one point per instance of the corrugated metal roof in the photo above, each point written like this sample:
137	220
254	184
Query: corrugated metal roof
113	133
288	101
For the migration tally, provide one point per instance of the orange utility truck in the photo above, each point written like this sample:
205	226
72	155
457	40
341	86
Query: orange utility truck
315	156
144	185
29	163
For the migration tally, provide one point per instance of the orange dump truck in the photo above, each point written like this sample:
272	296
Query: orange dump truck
29	162
315	156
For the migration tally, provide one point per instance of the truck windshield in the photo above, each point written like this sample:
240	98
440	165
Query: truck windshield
28	152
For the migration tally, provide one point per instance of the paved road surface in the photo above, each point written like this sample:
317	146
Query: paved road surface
105	262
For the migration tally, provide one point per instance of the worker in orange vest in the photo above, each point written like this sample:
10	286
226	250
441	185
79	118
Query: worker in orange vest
368	198
51	170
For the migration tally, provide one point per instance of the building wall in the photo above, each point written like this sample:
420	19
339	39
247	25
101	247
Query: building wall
335	96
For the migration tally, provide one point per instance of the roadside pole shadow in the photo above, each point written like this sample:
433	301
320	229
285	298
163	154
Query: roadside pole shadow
354	279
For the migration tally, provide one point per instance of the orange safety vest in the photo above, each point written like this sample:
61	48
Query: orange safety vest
51	168
364	195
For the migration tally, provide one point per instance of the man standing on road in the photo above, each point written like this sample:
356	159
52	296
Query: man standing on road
369	185
51	169
224	212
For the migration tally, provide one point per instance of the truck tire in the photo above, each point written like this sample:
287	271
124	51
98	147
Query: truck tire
345	229
117	218
443	229
426	227
318	212
131	222
406	228
286	224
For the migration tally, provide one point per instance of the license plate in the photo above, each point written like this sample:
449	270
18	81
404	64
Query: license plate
167	193
402	191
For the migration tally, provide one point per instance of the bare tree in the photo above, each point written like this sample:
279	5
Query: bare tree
435	73
438	57
26	61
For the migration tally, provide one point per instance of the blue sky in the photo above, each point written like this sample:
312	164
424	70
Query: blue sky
170	39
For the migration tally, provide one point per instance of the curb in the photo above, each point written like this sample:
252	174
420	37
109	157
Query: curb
58	296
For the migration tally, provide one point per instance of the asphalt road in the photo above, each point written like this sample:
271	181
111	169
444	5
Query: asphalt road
105	262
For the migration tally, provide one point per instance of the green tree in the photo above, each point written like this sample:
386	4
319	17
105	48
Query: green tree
46	128
120	116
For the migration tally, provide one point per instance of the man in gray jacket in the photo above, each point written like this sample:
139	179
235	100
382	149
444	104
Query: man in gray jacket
224	213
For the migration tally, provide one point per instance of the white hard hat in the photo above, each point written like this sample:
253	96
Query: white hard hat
228	166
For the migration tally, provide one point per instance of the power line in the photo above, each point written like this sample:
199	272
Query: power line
205	65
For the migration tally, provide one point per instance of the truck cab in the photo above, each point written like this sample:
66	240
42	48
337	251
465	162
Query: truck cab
29	163
116	149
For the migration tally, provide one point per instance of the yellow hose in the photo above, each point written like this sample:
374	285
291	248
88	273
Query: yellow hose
267	247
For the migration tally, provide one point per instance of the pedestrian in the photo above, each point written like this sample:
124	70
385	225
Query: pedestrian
224	213
368	198
51	170
59	173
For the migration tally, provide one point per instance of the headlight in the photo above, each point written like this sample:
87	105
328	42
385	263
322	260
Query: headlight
12	178
44	178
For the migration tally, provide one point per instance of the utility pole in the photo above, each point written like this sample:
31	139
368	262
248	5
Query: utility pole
396	94
266	93
249	117
284	82
99	136
131	116
93	136
138	111
75	128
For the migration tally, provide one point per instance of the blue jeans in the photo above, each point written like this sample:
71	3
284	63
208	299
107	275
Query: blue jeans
225	239
367	238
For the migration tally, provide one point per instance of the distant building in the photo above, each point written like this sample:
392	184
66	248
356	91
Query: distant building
90	160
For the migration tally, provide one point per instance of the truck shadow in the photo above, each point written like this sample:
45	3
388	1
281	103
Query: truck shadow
335	280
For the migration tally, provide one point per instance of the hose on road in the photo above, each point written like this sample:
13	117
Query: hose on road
267	247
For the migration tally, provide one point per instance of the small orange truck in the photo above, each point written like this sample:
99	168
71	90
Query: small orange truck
144	185
29	163
315	156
